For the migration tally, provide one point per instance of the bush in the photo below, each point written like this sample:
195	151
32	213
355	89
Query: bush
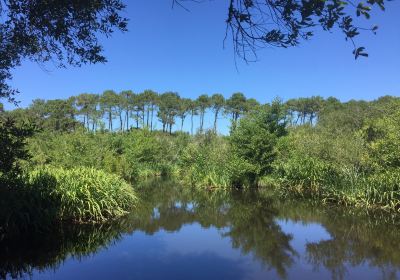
254	139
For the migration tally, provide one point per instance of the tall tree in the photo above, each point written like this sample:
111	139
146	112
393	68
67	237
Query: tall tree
95	112
149	100
108	102
120	107
138	109
256	136
251	105
184	109
193	109
56	115
236	106
169	107
217	104
84	102
203	103
128	105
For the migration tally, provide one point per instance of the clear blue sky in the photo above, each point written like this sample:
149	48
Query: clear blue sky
171	49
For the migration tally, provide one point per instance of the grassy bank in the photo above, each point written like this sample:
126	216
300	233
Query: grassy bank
332	162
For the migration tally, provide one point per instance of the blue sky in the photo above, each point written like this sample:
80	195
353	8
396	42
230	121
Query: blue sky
172	49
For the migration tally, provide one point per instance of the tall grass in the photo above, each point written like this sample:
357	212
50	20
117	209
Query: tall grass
312	178
84	194
40	198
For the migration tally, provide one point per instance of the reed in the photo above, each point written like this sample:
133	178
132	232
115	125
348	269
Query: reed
84	195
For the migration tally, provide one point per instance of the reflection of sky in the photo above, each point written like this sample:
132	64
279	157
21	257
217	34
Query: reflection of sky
304	233
197	253
191	253
194	252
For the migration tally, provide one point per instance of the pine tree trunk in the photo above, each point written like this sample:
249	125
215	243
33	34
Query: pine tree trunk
191	126
109	121
148	117
152	113
215	121
127	120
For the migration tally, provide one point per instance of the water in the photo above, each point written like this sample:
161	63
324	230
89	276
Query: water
180	233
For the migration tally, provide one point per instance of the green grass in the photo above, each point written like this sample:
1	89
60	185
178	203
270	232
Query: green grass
40	198
84	194
317	180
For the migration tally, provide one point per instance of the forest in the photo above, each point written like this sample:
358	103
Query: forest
77	157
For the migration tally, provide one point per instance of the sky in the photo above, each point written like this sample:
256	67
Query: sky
169	49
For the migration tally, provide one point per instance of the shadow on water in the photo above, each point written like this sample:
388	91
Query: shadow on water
251	223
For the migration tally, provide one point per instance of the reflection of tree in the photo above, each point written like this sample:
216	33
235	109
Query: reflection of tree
42	251
254	231
165	207
356	239
247	219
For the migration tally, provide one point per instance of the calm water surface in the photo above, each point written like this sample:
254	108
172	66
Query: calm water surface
180	233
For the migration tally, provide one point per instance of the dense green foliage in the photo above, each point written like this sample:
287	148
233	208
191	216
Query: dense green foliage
350	156
255	138
321	149
13	145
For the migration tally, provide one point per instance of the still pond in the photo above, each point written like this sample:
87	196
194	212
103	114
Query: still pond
182	233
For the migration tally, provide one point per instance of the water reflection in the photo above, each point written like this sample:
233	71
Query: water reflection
184	233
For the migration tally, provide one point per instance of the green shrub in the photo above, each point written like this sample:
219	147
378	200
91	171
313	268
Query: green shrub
254	139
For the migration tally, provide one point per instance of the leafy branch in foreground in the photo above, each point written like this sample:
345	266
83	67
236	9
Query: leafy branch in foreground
284	23
63	32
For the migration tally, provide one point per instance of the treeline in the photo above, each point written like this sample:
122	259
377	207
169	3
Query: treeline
126	110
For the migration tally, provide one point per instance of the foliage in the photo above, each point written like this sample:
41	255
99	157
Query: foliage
12	142
382	138
349	157
64	33
309	147
133	155
256	24
254	139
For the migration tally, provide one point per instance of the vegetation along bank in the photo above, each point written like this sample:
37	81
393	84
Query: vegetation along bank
71	160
